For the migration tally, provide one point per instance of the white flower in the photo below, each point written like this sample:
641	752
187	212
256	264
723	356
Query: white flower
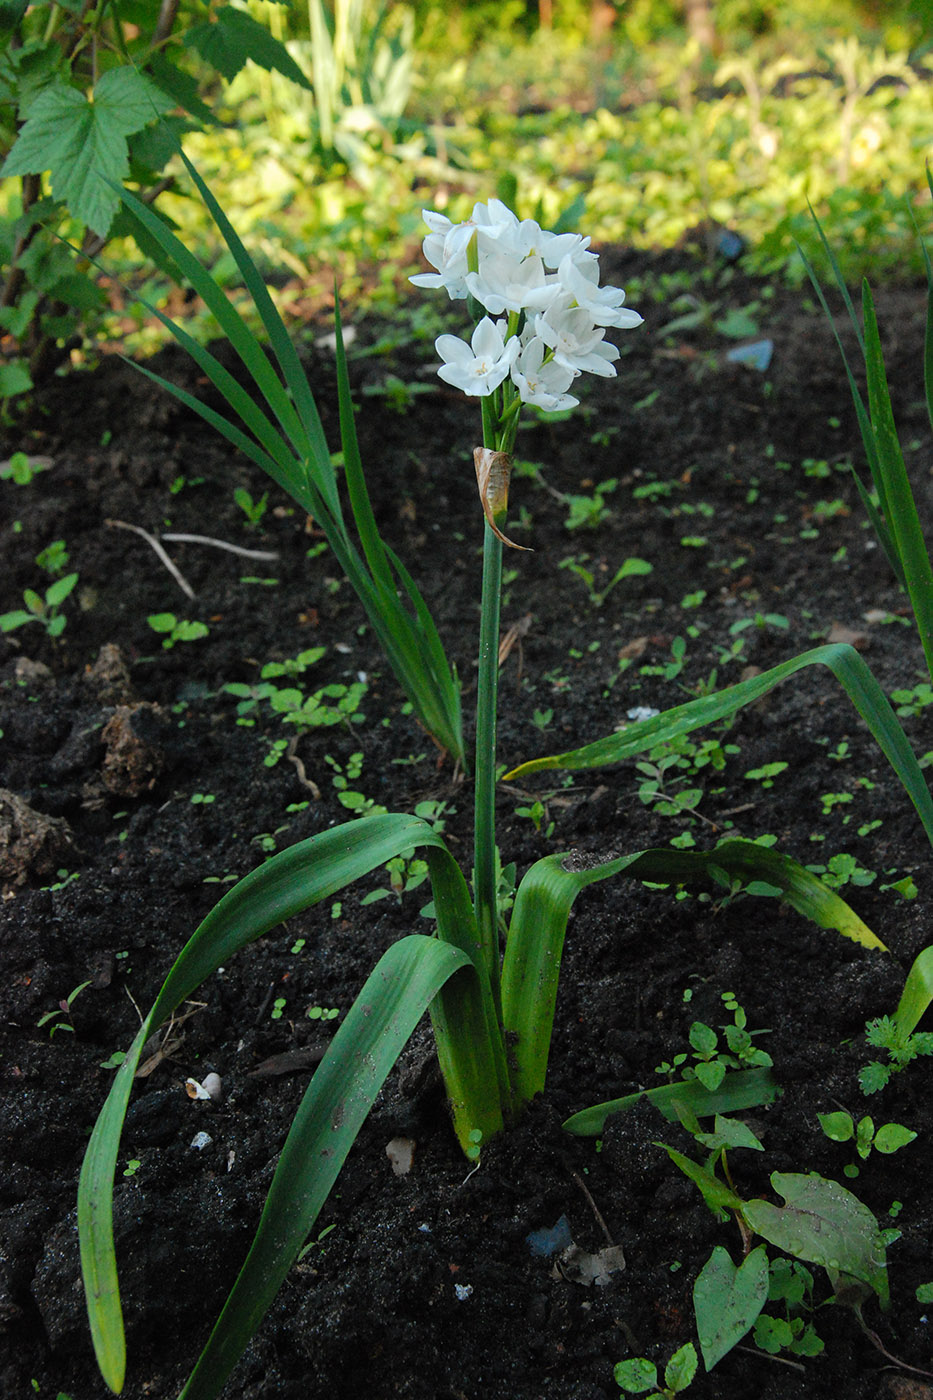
577	343
505	284
540	383
579	277
481	366
446	250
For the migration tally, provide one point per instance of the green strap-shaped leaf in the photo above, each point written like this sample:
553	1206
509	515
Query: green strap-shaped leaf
342	1091
314	446
469	1041
743	1088
232	324
917	994
901	509
846	665
531	966
291	881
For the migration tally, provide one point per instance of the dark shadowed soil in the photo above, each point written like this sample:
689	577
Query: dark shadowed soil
424	1286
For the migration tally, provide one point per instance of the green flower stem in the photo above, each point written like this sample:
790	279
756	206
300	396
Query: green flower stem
484	851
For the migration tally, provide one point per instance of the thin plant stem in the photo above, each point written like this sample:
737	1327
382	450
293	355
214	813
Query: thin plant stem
484	854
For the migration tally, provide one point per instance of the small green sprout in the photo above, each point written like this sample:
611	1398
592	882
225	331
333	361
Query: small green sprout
173	629
21	469
884	1034
60	1018
44	610
841	1127
640	1375
253	510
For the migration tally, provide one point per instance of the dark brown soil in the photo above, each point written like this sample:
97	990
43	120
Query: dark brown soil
424	1285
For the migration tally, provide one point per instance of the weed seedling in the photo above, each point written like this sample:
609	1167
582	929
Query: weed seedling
60	1018
884	1034
638	1376
45	610
253	510
173	629
841	1127
21	469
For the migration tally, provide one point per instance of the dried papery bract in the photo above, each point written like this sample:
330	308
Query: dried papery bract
493	473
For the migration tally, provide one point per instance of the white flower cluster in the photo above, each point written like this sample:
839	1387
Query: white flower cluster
544	286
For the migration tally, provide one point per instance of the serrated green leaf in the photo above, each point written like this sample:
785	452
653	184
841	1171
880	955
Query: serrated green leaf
825	1224
233	37
82	142
727	1300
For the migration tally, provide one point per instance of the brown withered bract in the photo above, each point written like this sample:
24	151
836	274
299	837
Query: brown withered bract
493	471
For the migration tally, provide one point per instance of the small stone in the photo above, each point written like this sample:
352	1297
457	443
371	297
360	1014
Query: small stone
401	1153
200	1141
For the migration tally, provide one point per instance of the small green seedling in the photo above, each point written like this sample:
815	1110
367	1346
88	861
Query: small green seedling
711	1060
173	629
598	593
21	469
54	558
791	1284
841	1127
253	510
323	1013
589	511
884	1034
537	814
44	610
640	1375
60	1018
397	394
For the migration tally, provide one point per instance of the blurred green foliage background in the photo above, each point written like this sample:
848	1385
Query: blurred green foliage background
669	119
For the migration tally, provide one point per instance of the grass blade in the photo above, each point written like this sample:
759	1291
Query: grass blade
531	966
341	1093
847	666
291	881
